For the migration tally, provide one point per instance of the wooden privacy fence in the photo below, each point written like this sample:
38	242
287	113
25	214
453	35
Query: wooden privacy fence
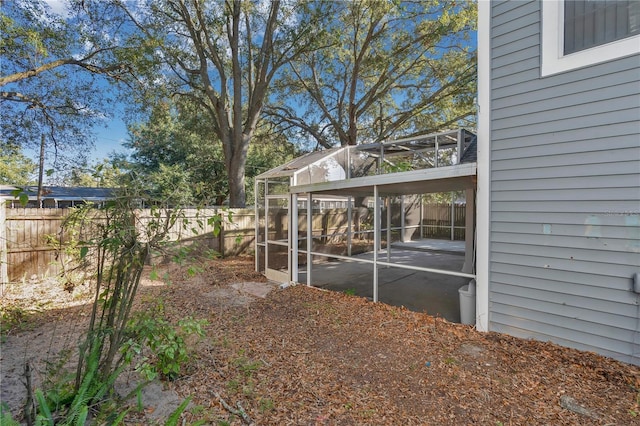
24	236
437	223
23	240
441	221
24	250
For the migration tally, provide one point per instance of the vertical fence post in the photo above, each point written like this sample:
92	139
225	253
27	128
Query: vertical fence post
403	223
222	236
388	202
453	217
4	279
421	218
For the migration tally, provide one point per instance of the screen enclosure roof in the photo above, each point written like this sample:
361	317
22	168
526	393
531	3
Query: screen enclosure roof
438	162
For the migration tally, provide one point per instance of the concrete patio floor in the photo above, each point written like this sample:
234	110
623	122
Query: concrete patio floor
435	294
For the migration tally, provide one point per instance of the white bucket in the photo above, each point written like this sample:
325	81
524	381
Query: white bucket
468	303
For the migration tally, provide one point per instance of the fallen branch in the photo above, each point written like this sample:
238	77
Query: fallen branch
568	403
238	412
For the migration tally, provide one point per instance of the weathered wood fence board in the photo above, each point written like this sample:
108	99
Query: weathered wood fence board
24	233
436	222
4	277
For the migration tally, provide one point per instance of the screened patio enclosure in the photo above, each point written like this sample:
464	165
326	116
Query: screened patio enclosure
358	203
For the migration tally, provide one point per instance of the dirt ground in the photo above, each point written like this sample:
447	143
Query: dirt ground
303	356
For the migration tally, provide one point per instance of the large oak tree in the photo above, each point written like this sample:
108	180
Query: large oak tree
178	140
225	55
392	68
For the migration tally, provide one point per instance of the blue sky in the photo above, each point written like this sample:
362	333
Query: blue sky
109	139
110	136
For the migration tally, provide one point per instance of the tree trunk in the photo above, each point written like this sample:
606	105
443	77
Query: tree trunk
237	194
236	171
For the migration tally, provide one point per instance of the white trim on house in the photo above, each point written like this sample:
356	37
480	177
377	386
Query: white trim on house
483	195
553	59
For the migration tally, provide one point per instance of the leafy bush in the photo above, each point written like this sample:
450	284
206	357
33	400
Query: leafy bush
111	245
5	416
165	341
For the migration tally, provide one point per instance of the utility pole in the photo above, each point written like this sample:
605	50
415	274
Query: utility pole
41	172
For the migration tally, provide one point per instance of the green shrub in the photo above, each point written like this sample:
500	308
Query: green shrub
165	342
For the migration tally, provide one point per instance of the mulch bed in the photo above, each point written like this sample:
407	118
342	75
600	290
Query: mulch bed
304	356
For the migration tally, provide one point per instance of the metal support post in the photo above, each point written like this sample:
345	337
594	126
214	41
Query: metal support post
388	200
349	225
293	239
469	231
266	224
309	236
256	224
376	240
460	146
421	217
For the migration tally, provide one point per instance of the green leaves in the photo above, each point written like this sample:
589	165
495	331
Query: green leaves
22	194
5	416
389	69
16	169
174	418
166	342
44	412
24	199
178	153
54	78
216	222
83	252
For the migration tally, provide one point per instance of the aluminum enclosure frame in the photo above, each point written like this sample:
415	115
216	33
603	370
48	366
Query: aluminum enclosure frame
338	180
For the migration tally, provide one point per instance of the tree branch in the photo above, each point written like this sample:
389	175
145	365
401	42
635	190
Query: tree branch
82	63
285	115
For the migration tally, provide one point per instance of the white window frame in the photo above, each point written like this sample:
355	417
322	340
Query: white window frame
553	58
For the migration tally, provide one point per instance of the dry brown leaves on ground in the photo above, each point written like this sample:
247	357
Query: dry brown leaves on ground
306	356
303	356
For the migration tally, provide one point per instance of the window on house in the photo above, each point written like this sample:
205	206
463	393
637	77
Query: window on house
579	33
590	23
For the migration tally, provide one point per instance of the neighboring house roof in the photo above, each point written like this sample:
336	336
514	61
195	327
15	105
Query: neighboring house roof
60	193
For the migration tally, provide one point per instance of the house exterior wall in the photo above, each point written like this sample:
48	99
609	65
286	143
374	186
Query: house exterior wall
564	193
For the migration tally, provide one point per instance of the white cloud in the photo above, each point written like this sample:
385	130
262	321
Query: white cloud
58	7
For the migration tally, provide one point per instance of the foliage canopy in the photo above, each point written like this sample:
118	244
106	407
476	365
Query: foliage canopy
390	69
